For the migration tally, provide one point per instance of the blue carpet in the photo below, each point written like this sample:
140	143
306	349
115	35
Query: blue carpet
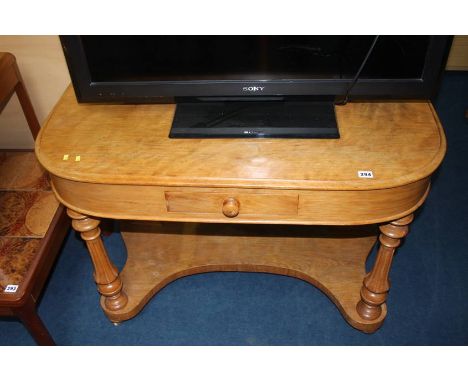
428	302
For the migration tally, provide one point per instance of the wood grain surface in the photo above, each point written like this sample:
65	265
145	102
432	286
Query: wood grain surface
401	142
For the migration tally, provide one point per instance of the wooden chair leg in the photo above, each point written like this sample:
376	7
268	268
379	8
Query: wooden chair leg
29	317
28	109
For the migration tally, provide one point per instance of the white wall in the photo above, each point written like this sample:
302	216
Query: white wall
458	57
42	65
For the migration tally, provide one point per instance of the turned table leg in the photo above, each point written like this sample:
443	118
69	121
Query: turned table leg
376	284
105	273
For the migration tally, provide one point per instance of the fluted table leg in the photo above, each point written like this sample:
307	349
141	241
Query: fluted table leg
376	284
105	273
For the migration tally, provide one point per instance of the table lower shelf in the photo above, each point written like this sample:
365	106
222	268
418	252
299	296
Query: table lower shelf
331	258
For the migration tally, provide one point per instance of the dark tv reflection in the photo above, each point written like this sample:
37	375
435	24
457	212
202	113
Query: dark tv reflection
191	58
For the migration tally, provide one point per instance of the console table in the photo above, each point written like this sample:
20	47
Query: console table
307	208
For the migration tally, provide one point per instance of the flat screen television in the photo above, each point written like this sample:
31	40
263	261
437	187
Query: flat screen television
254	86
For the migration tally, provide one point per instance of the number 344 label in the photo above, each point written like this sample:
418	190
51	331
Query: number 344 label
365	174
11	288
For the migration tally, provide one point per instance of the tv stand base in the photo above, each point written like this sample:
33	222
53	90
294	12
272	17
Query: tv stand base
255	119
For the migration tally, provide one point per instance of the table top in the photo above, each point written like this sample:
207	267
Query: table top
400	142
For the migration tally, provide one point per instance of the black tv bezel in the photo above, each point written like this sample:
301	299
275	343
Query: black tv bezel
163	91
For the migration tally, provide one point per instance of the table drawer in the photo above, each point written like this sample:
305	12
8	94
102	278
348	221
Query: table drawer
221	205
231	204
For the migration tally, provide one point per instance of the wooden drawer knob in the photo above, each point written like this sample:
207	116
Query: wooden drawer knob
231	207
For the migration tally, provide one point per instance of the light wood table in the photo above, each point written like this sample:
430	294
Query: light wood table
299	206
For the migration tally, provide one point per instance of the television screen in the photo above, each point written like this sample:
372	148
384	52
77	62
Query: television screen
191	58
143	68
293	82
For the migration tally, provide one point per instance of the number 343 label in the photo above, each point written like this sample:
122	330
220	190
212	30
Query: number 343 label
365	174
11	288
